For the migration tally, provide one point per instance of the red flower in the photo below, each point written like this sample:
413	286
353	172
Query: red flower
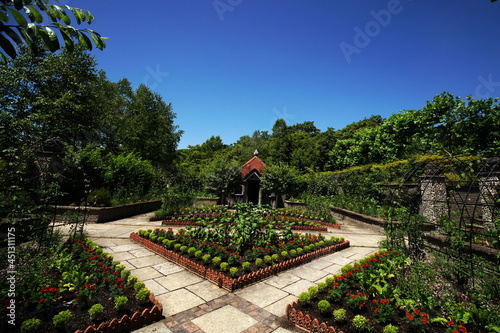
377	309
425	320
42	300
462	329
423	314
375	301
409	316
450	323
384	301
100	263
416	311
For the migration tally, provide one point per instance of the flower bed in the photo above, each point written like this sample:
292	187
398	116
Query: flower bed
283	218
372	296
78	287
244	276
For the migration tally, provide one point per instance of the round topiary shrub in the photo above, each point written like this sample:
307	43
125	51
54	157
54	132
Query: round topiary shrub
324	307
339	315
313	291
139	285
60	319
390	329
143	295
31	325
304	298
361	323
121	302
96	311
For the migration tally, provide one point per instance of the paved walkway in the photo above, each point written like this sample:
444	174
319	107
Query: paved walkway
194	305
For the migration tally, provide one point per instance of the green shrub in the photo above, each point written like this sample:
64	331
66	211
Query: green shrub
31	325
268	259
245	266
121	302
329	281
139	285
100	197
60	319
223	266
131	280
259	262
361	323
166	241
275	257
96	311
206	258
339	315
191	251
177	246
198	254
390	329
324	306
293	253
284	254
183	248
322	287
313	291
143	295
216	261
114	264
119	268
233	271
125	274
299	251
304	298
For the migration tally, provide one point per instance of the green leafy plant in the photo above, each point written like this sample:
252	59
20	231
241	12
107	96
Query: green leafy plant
339	315
143	295
139	285
31	325
313	291
96	311
246	266
233	271
322	287
390	329
131	280
121	302
206	258
60	319
305	298
324	307
216	261
361	323
223	266
259	262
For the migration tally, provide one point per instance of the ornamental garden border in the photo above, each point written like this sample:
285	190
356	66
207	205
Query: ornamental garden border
229	283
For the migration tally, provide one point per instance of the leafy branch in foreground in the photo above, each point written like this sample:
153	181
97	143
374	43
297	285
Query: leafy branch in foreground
28	21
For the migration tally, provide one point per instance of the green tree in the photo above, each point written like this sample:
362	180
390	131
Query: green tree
25	22
223	177
282	180
149	128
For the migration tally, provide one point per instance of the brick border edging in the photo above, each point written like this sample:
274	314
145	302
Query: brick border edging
306	323
128	323
228	283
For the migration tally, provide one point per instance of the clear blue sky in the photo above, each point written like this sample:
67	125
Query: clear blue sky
230	67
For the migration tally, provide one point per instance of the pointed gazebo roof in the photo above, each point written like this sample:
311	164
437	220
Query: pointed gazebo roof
254	164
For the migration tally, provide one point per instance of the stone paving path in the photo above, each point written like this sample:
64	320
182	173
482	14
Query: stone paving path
194	305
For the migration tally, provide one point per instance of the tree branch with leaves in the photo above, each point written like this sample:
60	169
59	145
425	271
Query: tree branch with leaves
29	21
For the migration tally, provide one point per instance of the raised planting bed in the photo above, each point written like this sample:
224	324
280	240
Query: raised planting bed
251	266
378	292
282	218
78	288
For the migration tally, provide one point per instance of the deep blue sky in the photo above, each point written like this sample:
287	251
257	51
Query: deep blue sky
230	67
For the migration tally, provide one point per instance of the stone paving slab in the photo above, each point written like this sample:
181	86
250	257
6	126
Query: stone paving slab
224	320
178	280
261	294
